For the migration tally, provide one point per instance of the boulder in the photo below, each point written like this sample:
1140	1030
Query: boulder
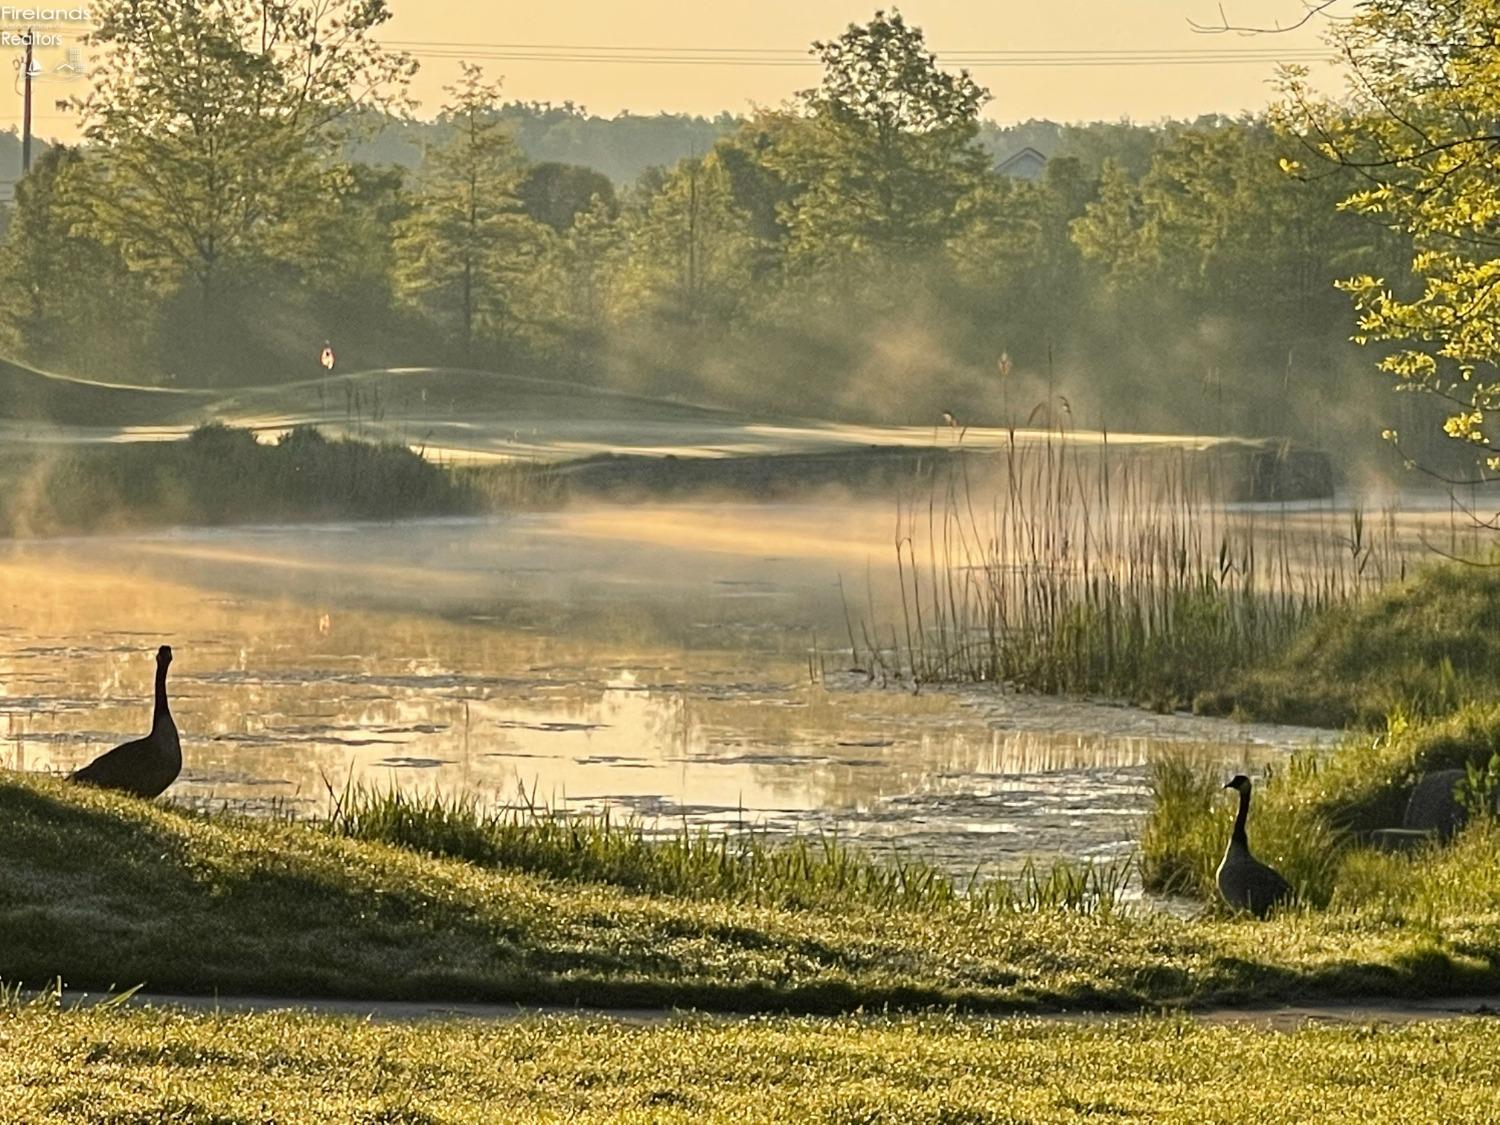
1435	805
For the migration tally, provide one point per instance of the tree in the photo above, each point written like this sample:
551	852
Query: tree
214	124
556	194
468	241
572	293
691	249
1419	134
893	149
67	299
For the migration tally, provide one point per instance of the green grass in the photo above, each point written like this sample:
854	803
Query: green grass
1422	646
31	395
1313	817
106	891
745	867
146	1065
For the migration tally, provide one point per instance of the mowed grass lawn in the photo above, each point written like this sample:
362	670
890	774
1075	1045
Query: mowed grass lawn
150	1065
107	891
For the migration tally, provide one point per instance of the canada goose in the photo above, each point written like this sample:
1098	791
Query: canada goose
148	765
1245	882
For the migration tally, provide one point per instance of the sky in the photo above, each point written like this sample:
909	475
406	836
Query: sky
1088	92
712	57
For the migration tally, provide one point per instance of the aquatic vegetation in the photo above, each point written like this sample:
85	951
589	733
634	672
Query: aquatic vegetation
222	475
1079	568
742	866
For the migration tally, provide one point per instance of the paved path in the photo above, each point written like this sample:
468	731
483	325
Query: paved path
1280	1017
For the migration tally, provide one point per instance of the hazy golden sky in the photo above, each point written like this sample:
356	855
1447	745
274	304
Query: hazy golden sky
1141	92
439	31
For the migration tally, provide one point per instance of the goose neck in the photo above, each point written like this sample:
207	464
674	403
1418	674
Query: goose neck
1238	835
161	714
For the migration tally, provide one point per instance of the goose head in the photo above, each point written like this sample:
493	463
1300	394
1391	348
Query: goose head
1240	783
164	656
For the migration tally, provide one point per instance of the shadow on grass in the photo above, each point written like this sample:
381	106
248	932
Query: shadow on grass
106	891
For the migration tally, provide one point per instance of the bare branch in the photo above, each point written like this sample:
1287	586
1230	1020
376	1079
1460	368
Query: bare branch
1313	9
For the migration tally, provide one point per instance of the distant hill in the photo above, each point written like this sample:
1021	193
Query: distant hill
625	146
621	147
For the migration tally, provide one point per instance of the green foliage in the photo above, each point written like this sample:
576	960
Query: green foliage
209	119
460	253
1418	132
690	248
889	151
60	286
557	194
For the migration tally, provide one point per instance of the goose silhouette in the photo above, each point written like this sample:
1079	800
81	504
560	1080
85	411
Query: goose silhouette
1245	882
146	766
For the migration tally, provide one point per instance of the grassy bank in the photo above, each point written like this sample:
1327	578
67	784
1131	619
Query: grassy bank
221	475
131	1065
1413	671
1312	820
105	891
1422	646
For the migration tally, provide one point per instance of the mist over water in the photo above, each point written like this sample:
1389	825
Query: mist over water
685	664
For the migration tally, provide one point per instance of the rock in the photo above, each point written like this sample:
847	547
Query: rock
1434	805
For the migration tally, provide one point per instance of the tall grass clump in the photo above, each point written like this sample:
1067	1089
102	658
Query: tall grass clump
743	866
1188	829
1309	817
1074	568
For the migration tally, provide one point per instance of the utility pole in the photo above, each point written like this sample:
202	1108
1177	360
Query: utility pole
26	108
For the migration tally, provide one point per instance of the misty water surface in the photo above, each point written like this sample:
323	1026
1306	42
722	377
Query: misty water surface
655	661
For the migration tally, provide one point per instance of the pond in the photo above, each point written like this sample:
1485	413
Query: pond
681	664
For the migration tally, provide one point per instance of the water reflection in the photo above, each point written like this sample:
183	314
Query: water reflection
561	660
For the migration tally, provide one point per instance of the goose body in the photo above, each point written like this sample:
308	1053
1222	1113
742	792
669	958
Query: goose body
1245	882
146	766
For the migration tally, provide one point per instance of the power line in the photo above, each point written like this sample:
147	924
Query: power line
595	54
799	52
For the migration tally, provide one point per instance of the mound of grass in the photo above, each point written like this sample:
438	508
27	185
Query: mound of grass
30	395
1423	646
223	475
107	891
142	1065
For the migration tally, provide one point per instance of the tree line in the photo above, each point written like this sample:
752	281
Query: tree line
243	195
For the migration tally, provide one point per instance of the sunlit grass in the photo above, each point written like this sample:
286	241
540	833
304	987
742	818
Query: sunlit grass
132	1065
742	866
